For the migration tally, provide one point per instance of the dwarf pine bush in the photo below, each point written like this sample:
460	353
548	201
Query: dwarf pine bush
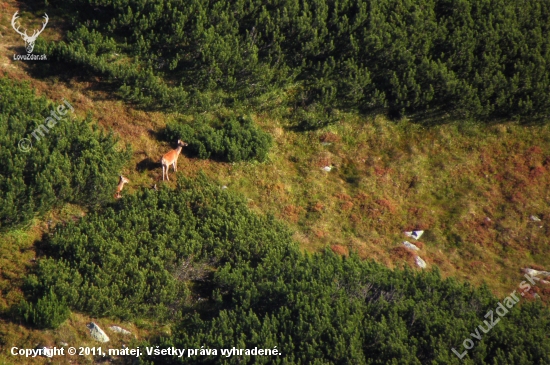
49	312
232	139
72	162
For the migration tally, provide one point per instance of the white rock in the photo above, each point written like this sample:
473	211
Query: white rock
224	187
120	330
534	272
410	246
534	218
417	234
421	263
46	351
531	272
327	168
414	234
97	333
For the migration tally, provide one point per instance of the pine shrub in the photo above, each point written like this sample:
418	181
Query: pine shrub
49	312
71	163
232	139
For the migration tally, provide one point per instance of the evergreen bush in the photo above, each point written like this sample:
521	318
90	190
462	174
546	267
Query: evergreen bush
232	139
481	59
72	163
49	312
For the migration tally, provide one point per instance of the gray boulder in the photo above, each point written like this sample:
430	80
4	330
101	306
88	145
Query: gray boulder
421	263
97	333
410	246
118	329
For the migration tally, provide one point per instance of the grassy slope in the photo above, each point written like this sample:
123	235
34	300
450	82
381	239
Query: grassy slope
472	188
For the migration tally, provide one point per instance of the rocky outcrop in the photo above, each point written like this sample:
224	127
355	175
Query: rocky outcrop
97	333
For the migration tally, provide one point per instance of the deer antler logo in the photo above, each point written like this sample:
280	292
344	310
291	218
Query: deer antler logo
29	41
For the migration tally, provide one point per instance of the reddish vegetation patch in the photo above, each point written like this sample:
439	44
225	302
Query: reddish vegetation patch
343	196
319	233
530	294
292	213
386	204
323	161
415	211
402	253
362	201
478	231
419	244
339	250
537	267
536	172
329	137
535	150
380	171
439	261
518	198
277	188
346	206
317	207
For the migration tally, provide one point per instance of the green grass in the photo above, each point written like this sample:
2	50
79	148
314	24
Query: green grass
391	177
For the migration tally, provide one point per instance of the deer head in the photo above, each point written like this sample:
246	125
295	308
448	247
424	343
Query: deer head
29	41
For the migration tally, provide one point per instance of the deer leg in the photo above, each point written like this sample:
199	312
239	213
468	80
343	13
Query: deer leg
162	172
176	166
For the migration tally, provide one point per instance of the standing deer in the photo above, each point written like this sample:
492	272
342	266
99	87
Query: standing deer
29	41
121	183
171	158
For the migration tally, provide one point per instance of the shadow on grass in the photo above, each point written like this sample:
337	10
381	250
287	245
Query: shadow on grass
147	164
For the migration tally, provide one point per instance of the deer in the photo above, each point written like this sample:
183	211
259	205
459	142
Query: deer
171	158
29	41
121	183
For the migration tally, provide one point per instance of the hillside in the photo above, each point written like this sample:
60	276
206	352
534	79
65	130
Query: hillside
255	213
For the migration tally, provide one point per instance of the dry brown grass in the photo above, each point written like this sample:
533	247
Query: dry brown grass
339	250
318	207
329	137
292	213
419	244
402	254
